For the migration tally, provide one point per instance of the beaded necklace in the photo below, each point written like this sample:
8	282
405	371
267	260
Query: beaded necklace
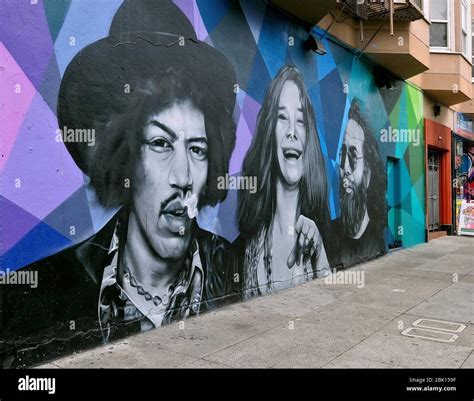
164	299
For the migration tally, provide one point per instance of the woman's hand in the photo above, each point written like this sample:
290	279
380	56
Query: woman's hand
308	242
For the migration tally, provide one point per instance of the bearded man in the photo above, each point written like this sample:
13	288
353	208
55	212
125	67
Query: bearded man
362	189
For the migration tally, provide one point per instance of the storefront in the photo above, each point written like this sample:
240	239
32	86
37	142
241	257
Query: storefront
438	179
463	176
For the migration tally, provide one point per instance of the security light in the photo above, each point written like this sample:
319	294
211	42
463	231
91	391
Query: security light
314	44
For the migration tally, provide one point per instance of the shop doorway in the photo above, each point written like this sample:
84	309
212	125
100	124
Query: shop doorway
433	190
393	204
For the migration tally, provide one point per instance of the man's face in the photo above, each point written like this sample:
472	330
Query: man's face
173	165
352	167
354	179
290	134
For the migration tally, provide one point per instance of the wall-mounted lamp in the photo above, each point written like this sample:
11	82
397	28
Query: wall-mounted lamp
314	44
437	110
383	79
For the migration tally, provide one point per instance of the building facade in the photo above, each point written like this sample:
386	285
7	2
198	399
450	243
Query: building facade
162	158
447	88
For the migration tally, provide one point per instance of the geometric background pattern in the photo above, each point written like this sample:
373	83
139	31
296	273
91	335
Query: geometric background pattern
46	203
406	205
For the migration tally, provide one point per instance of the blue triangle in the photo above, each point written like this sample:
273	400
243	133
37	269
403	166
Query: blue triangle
326	63
305	61
87	22
273	40
223	37
72	218
259	79
213	11
40	242
332	109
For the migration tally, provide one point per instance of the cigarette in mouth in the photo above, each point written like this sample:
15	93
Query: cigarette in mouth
191	202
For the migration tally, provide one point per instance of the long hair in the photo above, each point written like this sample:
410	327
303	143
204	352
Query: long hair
256	210
117	153
376	204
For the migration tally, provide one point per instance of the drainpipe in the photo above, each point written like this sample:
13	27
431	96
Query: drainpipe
391	18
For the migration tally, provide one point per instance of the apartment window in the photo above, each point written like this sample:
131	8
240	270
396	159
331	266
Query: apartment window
465	30
472	49
439	29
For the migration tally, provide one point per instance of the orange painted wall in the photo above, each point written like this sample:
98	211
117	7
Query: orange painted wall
438	137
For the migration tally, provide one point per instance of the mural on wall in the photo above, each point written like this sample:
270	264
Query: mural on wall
155	167
405	166
363	184
164	134
281	241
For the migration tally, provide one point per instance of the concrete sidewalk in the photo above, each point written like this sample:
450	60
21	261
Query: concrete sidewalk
323	325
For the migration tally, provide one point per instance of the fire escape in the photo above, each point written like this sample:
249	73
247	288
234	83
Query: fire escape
408	10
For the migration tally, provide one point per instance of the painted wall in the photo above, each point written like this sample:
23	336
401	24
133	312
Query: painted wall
406	204
220	157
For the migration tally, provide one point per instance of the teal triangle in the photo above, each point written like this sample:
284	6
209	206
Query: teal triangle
56	12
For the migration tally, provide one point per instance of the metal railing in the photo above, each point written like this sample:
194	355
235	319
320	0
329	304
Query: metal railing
375	9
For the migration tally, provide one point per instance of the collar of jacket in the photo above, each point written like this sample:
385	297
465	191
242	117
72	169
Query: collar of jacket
94	252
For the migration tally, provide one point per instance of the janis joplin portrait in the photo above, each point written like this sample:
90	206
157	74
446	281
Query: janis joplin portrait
282	223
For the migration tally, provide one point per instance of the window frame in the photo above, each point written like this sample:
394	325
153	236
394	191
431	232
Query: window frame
449	25
465	11
472	47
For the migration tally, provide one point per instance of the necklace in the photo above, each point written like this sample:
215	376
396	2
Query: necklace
164	299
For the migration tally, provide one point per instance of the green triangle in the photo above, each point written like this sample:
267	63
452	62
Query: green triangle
415	98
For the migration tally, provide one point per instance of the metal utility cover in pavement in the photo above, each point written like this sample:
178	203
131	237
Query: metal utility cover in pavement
433	335
442	325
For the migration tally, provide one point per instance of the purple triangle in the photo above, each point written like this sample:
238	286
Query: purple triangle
49	89
187	7
25	33
243	141
40	174
14	104
250	112
39	243
14	224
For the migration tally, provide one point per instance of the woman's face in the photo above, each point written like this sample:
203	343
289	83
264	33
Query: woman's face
290	134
